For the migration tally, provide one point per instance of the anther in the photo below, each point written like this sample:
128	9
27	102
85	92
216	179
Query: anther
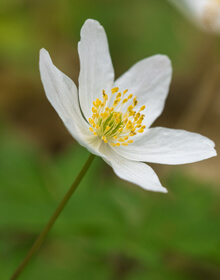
112	125
104	139
118	95
125	144
114	90
130	108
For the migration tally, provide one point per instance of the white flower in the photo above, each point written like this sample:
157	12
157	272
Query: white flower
112	119
204	13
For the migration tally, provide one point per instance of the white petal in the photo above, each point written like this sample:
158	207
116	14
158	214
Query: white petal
138	173
193	7
204	13
149	80
189	6
96	70
168	146
62	94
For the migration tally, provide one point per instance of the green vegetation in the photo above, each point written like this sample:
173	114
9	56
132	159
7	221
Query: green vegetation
110	229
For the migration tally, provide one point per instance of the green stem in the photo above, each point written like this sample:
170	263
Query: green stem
52	220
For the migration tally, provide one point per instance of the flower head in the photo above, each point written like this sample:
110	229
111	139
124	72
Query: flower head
204	13
112	118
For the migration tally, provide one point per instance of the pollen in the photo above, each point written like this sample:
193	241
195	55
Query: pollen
114	118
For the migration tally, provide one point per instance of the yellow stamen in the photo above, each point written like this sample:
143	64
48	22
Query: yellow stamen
124	101
118	95
130	108
104	139
94	110
91	121
114	90
112	125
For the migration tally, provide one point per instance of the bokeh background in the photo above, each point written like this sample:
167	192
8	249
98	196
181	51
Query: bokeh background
110	229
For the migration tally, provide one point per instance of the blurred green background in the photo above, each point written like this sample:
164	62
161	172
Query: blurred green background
110	229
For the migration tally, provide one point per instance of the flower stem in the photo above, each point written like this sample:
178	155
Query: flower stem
52	220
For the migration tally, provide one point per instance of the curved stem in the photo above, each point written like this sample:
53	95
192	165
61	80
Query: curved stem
52	220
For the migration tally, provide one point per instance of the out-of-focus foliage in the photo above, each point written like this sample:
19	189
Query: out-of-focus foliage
135	30
110	229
